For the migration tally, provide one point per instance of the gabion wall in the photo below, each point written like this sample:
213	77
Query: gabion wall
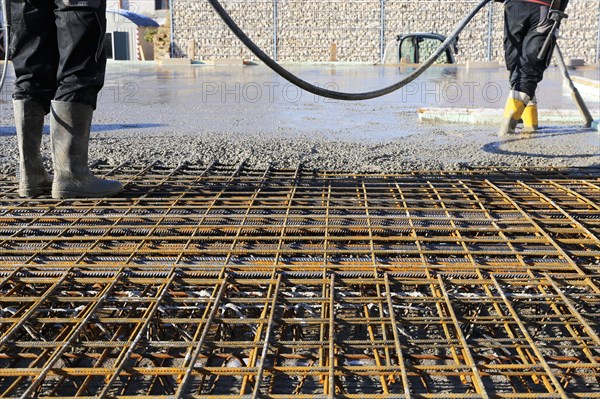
305	30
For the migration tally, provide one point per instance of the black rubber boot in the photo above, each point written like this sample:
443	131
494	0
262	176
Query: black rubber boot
70	126
29	121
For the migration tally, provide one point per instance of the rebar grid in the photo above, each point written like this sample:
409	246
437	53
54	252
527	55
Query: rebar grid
177	333
225	281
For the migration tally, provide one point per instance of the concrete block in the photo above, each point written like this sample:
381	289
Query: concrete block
227	61
575	62
596	125
493	116
482	64
174	61
460	115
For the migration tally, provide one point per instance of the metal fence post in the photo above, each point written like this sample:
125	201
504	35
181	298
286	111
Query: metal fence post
382	32
598	38
490	43
275	31
171	28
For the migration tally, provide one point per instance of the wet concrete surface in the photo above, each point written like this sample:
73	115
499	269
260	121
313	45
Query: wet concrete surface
201	113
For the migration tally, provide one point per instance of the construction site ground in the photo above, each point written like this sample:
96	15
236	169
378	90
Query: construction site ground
202	113
278	249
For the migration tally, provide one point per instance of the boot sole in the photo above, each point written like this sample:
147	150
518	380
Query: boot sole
508	129
33	193
81	194
29	192
529	130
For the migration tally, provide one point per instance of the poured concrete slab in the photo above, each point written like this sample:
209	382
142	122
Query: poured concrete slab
229	113
493	116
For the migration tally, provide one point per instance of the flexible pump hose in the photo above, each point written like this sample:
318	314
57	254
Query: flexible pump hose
335	94
6	31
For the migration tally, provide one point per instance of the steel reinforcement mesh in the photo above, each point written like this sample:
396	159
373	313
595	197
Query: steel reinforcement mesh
226	281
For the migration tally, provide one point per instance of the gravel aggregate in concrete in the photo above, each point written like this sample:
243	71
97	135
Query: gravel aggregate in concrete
202	113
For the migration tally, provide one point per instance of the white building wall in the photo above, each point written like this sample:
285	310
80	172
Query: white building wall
118	23
139	6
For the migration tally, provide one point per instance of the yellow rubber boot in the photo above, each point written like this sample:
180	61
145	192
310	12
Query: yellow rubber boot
515	106
530	117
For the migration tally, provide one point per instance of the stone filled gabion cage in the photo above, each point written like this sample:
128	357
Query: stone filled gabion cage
306	30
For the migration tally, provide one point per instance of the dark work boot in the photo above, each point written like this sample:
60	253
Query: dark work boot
70	126
29	121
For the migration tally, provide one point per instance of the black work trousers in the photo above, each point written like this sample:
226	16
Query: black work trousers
57	49
526	27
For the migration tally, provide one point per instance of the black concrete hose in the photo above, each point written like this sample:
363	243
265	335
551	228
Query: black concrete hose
6	31
290	77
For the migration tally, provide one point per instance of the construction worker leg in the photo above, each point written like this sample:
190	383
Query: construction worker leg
532	68
530	117
81	26
35	59
515	107
34	50
514	34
